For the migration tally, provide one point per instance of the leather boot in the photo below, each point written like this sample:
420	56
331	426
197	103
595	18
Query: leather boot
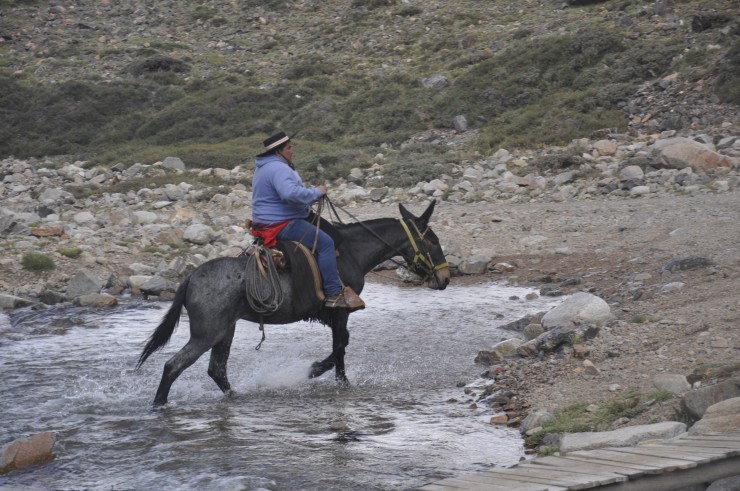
352	300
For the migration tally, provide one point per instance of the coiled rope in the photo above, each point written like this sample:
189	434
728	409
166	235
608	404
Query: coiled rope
263	290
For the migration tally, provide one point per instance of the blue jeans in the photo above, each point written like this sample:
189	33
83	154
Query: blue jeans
304	232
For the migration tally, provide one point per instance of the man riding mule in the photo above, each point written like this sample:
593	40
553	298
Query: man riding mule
281	209
214	294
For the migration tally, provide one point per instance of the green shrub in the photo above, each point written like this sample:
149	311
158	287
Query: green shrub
728	82
415	163
576	418
70	252
34	261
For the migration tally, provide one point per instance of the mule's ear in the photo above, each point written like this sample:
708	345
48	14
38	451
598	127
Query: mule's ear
405	214
428	212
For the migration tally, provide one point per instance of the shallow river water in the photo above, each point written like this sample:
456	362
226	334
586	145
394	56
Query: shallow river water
71	372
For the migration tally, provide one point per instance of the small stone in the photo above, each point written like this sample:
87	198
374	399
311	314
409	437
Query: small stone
47	231
580	351
720	343
590	368
27	451
500	419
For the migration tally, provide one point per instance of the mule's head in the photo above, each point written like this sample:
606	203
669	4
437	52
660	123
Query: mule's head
423	253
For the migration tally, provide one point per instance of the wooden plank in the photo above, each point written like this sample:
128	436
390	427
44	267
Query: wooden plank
718	442
477	482
669	481
589	466
519	477
606	468
436	486
626	465
508	484
731	435
663	463
711	453
728	452
711	441
667	453
575	477
710	444
699	447
646	469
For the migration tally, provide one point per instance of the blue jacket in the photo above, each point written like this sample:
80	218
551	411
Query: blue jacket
278	193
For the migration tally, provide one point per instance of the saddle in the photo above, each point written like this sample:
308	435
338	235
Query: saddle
297	259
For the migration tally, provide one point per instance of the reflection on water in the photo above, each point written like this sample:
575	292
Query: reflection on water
71	371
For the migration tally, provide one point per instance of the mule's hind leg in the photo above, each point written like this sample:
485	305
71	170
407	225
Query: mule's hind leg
219	358
176	365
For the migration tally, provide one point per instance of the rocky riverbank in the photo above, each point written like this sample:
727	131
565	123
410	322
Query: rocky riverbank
648	225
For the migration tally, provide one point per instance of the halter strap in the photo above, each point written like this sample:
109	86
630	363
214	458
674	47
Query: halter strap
419	256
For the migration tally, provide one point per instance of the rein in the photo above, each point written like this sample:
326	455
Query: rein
423	258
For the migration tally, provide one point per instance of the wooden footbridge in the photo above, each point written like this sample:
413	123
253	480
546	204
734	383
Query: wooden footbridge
661	466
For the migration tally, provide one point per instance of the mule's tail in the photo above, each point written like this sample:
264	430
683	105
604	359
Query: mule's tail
161	336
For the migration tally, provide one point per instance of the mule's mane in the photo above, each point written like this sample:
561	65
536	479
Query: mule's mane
364	223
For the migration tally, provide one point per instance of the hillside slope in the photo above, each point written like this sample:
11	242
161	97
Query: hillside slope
136	81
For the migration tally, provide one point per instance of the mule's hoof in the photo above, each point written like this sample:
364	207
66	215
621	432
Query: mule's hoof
318	369
159	404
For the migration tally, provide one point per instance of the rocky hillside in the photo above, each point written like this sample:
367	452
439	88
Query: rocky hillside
108	82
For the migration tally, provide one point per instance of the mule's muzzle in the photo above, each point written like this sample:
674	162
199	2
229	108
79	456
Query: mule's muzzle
440	279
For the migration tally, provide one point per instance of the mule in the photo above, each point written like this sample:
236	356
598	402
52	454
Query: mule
214	295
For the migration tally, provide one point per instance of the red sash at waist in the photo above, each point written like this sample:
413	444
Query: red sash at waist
268	232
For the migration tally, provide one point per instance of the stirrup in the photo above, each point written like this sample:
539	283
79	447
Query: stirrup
335	302
352	300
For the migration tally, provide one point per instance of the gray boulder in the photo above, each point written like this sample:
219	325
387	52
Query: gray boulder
13	302
671	382
156	286
84	283
96	300
436	82
536	418
580	308
623	437
696	402
199	234
719	418
173	163
551	340
520	324
680	152
726	484
499	352
24	452
475	265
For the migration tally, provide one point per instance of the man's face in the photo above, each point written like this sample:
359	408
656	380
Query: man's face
287	152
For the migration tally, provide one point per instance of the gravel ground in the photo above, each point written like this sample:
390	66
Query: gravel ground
615	249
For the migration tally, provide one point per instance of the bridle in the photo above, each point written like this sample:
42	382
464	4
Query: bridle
422	258
421	264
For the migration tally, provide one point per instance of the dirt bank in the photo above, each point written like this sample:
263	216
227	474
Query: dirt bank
616	249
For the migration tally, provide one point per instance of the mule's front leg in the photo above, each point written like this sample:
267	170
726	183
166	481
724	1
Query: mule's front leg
341	339
319	368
